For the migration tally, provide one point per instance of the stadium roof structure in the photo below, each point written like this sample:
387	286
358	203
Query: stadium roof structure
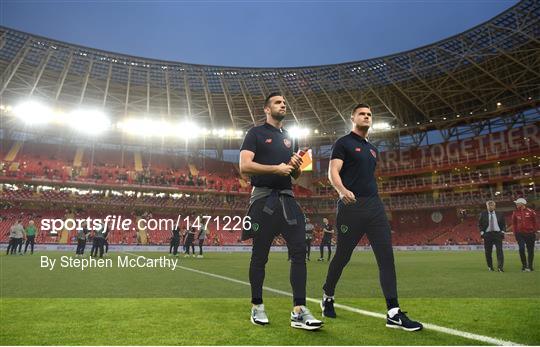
489	70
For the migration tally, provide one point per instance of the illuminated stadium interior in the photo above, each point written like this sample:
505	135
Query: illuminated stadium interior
93	131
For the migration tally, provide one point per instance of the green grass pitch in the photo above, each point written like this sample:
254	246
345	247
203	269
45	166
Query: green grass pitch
158	306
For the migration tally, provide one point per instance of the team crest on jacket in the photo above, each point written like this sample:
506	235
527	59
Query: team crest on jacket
268	141
358	149
287	143
373	153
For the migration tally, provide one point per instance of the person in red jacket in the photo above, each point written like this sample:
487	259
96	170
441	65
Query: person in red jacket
525	228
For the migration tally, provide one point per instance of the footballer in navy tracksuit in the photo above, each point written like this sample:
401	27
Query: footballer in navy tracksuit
268	156
360	211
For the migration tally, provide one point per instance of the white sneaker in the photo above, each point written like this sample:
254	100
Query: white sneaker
305	320
258	315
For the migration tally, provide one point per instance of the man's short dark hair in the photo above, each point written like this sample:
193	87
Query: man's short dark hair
267	100
360	105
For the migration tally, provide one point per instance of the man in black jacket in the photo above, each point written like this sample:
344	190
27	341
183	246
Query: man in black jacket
492	227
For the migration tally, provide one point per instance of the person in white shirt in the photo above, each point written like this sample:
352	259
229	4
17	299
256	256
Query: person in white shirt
16	235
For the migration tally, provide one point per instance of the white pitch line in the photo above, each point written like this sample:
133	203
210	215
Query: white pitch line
434	327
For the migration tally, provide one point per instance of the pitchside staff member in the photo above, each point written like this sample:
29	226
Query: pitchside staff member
98	242
10	233
106	240
525	227
309	237
30	237
492	228
189	238
19	237
328	232
20	240
16	234
175	241
361	211
268	156
201	237
183	238
82	234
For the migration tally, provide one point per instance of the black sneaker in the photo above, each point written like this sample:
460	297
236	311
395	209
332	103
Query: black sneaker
500	269
327	307
490	269
401	321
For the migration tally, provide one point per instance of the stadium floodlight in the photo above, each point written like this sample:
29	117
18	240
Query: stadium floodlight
189	130
33	112
381	126
90	122
221	132
183	130
224	133
159	128
297	132
146	127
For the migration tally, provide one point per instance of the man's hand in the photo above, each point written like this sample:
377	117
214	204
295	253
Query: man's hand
283	169
347	197
296	161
